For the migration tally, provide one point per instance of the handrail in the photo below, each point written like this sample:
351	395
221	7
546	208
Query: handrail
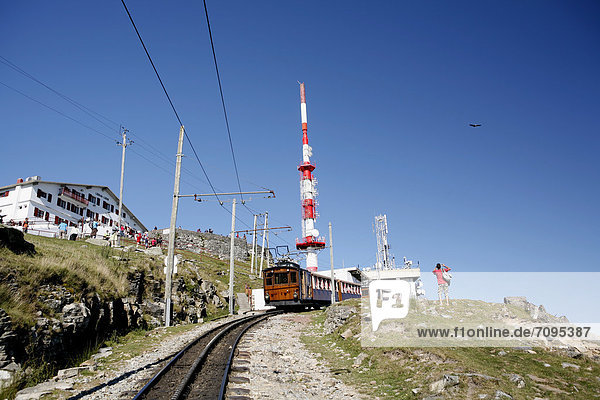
66	192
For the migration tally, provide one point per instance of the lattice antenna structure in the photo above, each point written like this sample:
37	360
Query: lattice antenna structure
385	260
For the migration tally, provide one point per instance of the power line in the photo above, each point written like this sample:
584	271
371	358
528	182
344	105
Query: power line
157	153
89	112
177	114
80	106
168	97
58	112
170	173
223	100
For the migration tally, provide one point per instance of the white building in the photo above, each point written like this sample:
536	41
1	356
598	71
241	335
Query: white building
410	275
46	204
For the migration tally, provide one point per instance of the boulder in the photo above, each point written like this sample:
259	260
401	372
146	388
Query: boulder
359	359
446	382
7	339
97	242
44	388
75	318
516	379
336	316
14	240
7	374
154	251
537	313
347	333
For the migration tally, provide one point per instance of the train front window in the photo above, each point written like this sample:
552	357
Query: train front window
293	277
281	278
268	278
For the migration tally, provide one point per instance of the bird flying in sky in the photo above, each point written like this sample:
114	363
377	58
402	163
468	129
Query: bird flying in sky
474	125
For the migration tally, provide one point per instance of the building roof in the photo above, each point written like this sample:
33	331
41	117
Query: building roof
31	182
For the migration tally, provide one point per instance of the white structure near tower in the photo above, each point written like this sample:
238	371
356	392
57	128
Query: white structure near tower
385	268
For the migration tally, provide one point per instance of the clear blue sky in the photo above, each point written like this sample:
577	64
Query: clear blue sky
391	89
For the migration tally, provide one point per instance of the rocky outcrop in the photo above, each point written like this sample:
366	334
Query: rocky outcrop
8	368
336	316
14	240
537	313
216	245
7	339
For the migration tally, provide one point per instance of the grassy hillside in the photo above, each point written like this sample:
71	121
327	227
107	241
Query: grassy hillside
83	268
408	372
76	269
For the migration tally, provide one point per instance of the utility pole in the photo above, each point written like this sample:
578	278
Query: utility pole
267	228
331	262
231	258
198	197
262	249
171	248
123	144
253	245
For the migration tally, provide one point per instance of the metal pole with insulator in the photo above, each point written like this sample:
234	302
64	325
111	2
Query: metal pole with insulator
331	262
171	247
231	258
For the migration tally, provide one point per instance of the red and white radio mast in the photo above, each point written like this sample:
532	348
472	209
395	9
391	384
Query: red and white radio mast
310	242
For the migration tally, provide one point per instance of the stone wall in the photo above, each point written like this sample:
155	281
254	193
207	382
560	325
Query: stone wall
211	243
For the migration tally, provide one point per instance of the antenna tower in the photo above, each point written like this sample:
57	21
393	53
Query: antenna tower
384	257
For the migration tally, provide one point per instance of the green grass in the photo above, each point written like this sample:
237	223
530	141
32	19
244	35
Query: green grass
394	372
83	269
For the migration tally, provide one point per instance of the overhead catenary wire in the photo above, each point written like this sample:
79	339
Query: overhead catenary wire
80	106
212	46
92	113
153	150
57	111
168	97
177	114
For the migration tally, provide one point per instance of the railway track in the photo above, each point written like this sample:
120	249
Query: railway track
201	369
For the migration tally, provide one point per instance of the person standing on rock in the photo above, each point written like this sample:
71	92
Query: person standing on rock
440	272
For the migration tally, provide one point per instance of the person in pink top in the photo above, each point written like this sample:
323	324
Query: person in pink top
442	283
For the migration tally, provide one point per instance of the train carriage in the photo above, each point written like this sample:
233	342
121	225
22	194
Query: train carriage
287	285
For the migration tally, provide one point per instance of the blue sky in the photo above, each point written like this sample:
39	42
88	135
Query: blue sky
391	89
561	293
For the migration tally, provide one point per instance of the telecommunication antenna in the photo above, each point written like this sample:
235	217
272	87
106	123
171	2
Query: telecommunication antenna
385	260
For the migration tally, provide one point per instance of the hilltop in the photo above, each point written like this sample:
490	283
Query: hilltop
451	372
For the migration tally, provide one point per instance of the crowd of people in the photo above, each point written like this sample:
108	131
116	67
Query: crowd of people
90	228
147	241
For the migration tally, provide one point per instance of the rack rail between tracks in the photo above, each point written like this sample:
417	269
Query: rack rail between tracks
182	374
